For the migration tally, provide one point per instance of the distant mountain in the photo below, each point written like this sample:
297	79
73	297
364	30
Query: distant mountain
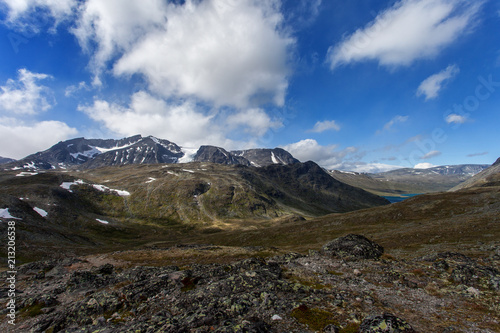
486	178
408	180
463	170
94	153
4	160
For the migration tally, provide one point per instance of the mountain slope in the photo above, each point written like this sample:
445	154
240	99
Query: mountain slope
487	177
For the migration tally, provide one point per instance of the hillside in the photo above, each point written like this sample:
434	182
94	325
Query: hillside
488	177
113	206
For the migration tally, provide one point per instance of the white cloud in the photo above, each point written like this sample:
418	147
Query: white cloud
431	154
455	119
228	52
409	30
423	166
108	28
149	115
302	13
362	167
25	96
22	13
253	121
392	122
431	86
326	156
326	125
311	150
73	89
478	154
20	139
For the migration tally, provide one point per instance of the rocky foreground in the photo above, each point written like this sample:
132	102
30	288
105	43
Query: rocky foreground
348	286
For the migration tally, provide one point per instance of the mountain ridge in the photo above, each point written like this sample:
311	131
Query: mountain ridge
93	153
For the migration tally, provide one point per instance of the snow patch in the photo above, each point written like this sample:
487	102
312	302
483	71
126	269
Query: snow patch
151	179
105	150
188	155
23	174
87	153
276	160
102	188
102	221
4	214
40	212
187	170
67	185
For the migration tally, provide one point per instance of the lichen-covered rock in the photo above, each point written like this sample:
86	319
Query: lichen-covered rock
353	247
386	323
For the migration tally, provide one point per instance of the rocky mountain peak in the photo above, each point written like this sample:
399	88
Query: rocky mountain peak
218	155
264	157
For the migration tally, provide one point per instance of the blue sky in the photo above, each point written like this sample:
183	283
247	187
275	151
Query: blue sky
353	85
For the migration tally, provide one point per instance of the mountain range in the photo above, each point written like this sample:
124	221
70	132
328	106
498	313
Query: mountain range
94	153
409	180
85	154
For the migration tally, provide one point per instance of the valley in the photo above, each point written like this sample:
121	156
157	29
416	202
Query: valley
219	244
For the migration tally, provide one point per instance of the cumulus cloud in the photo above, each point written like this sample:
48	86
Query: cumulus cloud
228	52
24	96
455	119
430	154
326	125
147	114
397	119
20	139
424	166
409	30
106	29
253	121
431	86
311	150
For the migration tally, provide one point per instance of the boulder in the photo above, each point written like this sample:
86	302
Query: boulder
386	323
353	247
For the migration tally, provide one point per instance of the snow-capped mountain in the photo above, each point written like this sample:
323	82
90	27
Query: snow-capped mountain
93	153
102	152
467	170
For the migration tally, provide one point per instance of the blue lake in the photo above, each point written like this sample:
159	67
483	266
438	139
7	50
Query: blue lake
400	197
